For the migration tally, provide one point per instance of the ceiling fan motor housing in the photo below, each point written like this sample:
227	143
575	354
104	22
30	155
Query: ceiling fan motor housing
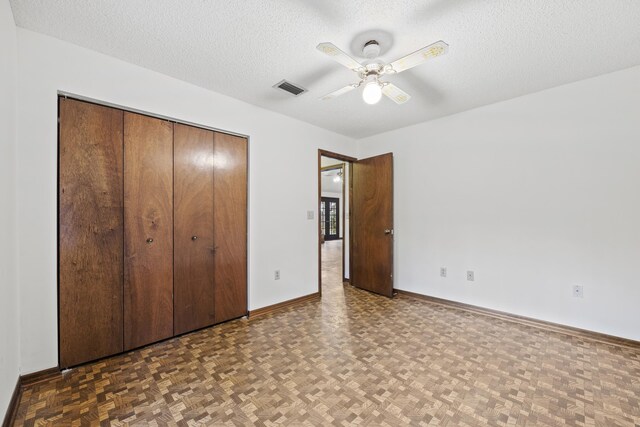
371	49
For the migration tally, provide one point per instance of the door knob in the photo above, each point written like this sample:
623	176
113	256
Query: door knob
194	238
150	240
388	231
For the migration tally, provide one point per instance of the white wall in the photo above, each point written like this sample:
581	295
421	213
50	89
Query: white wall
328	184
9	327
534	194
47	65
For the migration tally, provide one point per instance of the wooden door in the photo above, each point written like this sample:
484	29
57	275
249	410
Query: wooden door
90	232
330	218
193	229
230	226
148	219
372	224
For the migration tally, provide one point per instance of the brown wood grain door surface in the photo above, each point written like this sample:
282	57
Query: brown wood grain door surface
91	232
148	235
372	224
193	229
230	226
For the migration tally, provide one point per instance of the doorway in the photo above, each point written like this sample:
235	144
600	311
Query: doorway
355	222
333	219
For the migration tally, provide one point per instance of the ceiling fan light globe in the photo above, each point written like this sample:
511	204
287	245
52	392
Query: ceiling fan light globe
372	93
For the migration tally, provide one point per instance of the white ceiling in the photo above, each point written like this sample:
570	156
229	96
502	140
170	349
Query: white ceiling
499	49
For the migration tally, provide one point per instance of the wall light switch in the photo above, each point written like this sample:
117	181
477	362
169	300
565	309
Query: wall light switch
443	271
276	275
470	276
310	214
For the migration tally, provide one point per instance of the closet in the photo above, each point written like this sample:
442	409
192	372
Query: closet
152	224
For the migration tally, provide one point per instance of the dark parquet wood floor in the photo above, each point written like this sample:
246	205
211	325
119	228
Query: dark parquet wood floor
353	358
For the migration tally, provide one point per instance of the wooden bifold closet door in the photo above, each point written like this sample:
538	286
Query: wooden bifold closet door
148	225
193	231
230	226
152	230
90	224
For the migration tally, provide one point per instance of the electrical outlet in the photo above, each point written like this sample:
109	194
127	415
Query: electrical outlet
443	271
470	276
578	291
309	214
276	275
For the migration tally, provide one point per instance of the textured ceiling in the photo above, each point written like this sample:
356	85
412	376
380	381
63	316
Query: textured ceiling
499	49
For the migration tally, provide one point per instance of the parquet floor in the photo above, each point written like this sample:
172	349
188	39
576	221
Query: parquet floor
352	359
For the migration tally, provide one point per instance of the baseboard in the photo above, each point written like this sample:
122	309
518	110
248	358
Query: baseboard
39	376
282	305
12	409
542	324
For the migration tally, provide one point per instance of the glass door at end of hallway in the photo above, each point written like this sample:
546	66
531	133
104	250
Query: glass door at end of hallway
330	218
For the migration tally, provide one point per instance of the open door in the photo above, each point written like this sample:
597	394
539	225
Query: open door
372	224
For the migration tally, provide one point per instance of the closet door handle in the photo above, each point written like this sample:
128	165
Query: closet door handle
150	240
194	238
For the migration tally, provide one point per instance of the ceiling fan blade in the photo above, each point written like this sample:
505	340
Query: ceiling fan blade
339	92
394	93
434	50
339	56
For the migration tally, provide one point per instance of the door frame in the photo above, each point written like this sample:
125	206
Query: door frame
345	159
340	166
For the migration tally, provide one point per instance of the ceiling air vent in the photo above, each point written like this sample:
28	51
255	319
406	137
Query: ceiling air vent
289	87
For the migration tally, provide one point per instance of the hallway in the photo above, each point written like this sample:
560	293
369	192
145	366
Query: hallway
331	265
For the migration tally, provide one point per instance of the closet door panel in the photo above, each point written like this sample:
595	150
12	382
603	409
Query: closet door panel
230	226
193	228
148	219
90	232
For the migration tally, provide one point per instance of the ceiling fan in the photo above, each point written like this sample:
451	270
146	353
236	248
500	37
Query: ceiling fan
371	72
